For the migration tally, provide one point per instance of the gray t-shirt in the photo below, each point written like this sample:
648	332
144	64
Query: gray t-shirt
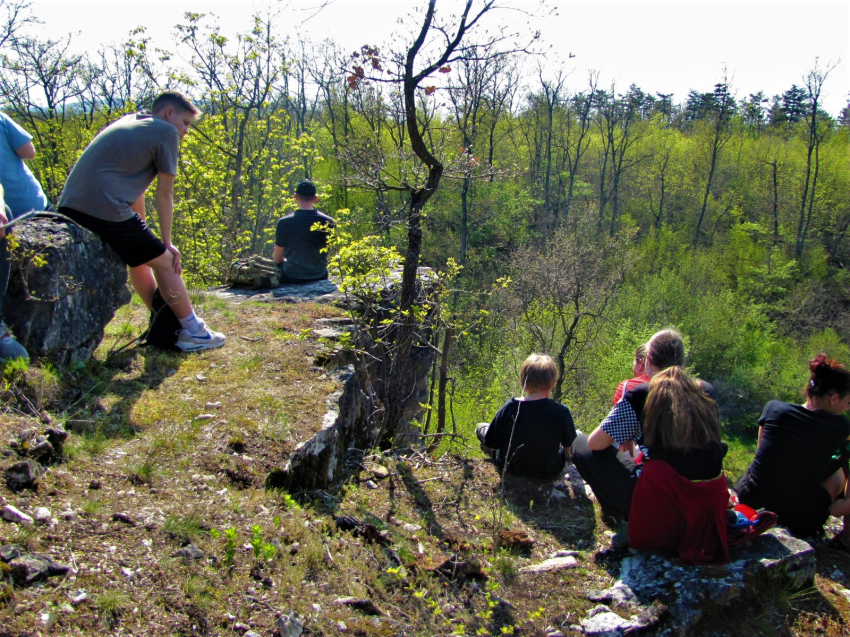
119	165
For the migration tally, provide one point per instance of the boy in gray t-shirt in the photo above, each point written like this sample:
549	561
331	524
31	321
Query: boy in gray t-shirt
105	193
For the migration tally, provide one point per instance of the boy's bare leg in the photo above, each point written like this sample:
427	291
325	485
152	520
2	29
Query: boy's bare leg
144	283
171	284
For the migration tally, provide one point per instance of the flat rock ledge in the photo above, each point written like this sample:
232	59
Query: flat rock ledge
326	291
318	291
348	424
648	581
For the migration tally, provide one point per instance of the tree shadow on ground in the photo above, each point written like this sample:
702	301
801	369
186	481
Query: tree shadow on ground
557	506
124	376
421	498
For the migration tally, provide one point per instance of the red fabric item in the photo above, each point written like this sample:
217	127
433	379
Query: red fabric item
626	385
673	514
762	521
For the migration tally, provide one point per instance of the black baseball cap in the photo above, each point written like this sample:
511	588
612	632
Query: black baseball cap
306	188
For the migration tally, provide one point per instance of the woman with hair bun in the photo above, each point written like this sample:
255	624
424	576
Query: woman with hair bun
800	469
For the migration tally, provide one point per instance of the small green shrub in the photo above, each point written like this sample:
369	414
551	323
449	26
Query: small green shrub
183	527
505	564
110	605
229	546
94	443
257	540
91	506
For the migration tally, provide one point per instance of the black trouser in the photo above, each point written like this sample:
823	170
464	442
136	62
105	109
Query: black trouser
610	474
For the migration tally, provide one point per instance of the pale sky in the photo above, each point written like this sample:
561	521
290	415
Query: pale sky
666	47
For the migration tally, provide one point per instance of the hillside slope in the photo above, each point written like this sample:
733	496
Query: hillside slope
160	511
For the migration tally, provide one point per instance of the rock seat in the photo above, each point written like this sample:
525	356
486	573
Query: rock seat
64	289
689	592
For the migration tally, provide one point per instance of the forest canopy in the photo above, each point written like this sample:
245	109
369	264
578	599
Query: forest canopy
599	214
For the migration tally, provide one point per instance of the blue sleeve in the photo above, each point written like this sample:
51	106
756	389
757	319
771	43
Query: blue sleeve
15	135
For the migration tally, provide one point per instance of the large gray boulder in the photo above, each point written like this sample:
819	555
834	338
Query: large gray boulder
65	287
690	593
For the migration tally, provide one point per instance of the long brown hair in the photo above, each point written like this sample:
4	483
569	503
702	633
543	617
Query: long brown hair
678	415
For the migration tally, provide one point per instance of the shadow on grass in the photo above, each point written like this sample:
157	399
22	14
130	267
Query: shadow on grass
87	416
553	506
420	497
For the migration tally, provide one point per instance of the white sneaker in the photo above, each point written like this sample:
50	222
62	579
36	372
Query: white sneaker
204	339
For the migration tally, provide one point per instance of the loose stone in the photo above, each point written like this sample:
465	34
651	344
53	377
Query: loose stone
16	516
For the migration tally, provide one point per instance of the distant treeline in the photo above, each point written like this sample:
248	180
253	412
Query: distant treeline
754	191
523	152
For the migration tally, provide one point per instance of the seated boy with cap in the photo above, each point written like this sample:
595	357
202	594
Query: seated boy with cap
299	250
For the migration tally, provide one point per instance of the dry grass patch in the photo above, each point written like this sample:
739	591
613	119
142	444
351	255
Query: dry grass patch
421	548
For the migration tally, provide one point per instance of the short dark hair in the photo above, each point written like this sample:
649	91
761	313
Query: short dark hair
828	377
539	372
177	100
305	188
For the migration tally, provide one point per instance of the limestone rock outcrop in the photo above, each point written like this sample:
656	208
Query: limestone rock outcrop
350	421
689	592
64	289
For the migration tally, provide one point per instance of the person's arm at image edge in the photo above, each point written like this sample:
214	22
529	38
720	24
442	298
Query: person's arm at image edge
27	151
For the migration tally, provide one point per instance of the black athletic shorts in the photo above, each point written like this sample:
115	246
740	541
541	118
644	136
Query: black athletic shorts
132	240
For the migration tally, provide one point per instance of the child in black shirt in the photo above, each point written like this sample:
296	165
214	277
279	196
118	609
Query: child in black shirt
532	435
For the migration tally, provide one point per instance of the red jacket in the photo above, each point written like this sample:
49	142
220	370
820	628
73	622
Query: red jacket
673	514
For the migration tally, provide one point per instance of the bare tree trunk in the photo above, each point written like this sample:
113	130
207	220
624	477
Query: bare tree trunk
444	379
814	86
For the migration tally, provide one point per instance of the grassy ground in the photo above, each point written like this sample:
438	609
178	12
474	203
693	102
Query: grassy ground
181	444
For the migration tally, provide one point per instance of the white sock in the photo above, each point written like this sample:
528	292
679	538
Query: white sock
191	323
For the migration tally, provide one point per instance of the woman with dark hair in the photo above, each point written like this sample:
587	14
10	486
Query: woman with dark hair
680	497
800	468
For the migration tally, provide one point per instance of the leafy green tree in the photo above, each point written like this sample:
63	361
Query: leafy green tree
561	293
794	105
